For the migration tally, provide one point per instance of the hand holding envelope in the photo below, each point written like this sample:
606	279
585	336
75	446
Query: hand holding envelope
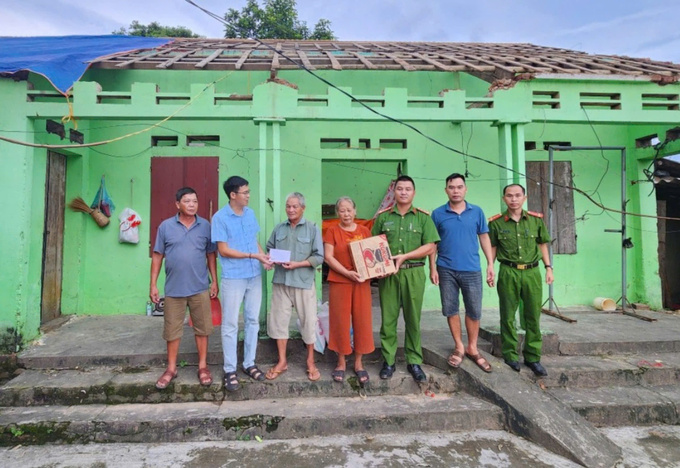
279	256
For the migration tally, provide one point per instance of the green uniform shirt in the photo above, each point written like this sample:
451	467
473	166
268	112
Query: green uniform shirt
405	233
518	242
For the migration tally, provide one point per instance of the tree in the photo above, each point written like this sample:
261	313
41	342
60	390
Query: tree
278	19
155	30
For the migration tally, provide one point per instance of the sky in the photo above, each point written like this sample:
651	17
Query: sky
635	28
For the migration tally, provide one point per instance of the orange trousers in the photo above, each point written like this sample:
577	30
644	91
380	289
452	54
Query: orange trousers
350	304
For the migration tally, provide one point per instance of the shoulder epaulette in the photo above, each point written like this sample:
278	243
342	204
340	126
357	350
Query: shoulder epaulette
386	209
423	211
494	217
535	213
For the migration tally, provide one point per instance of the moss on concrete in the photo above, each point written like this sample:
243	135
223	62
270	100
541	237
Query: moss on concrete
39	434
10	341
247	423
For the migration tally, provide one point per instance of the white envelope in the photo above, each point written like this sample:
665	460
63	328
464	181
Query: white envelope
279	256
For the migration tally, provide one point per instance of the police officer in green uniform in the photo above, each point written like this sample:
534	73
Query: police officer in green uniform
411	235
519	239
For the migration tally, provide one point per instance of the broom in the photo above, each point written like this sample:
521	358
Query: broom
78	204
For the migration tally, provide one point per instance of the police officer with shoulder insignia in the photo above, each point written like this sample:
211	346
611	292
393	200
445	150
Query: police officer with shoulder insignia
411	235
519	239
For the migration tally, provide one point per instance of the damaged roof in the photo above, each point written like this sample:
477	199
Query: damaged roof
489	61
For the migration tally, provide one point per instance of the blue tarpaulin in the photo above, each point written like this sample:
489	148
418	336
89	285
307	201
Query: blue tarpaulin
64	59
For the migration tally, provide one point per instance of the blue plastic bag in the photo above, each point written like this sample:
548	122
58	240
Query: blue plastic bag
102	200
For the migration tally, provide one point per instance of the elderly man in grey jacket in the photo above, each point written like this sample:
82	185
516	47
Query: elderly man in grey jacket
293	284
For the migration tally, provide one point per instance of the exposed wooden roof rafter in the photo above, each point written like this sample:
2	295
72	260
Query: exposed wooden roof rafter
489	61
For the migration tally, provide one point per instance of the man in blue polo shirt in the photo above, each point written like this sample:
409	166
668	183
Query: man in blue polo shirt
184	242
463	228
235	229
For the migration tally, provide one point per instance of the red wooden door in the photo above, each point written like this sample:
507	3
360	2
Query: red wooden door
169	174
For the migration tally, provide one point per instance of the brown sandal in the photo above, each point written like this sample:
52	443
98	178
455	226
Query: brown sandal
455	354
484	365
204	377
165	379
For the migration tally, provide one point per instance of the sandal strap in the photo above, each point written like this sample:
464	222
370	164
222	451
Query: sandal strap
165	379
253	371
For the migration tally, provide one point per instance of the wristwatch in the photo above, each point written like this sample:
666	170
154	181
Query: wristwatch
548	266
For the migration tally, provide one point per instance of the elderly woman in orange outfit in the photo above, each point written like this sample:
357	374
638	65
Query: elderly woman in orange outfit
349	296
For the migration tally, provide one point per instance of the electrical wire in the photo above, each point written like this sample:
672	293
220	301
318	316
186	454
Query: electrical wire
413	127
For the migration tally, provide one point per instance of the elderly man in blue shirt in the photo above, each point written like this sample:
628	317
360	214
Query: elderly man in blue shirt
293	283
235	229
463	228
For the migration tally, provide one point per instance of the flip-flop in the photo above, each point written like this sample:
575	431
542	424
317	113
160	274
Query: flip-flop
484	365
455	354
338	375
272	373
313	374
362	375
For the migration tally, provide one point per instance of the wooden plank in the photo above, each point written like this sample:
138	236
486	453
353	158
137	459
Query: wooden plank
305	60
513	61
642	67
209	58
434	62
176	58
275	58
565	62
404	48
53	236
465	62
563	233
666	282
405	65
601	66
242	59
378	46
141	58
359	46
334	62
370	65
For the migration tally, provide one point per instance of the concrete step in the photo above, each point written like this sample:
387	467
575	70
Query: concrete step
56	354
116	385
596	333
624	406
655	369
239	420
134	341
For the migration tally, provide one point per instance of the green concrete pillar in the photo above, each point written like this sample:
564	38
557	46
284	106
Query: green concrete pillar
511	155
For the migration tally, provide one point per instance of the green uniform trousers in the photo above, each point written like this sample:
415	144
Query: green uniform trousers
525	286
402	290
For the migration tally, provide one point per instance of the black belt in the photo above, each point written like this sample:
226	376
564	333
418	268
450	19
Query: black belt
520	266
405	266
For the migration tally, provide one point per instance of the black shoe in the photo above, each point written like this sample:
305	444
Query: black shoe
514	365
387	371
537	368
416	372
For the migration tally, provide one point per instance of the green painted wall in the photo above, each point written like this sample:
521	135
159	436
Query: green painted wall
275	142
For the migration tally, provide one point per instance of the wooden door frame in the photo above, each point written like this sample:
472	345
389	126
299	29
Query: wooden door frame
53	237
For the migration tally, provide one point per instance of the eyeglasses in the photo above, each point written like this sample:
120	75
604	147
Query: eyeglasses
247	192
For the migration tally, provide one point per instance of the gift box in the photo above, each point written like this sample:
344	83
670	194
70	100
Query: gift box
372	257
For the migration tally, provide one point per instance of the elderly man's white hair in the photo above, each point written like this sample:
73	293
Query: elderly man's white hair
299	196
